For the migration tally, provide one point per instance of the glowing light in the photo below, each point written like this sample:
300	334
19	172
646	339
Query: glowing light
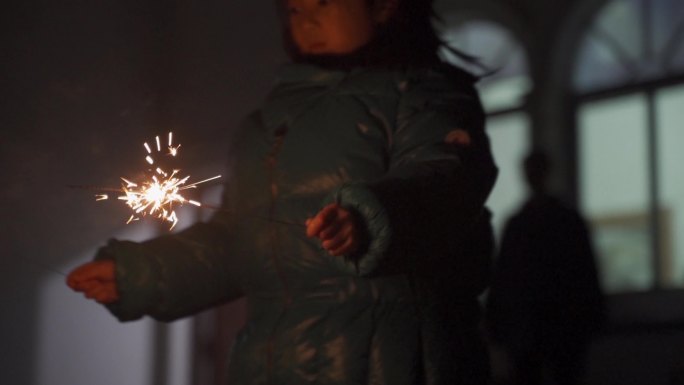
158	195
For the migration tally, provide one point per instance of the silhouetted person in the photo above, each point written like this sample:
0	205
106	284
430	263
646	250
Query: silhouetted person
545	302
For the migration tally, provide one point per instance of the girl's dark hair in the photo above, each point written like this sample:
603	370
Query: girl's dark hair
407	40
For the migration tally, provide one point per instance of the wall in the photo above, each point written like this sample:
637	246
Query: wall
84	83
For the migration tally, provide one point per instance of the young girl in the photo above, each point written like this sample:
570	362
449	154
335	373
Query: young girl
376	146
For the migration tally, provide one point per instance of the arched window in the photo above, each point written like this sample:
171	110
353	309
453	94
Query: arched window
503	95
629	86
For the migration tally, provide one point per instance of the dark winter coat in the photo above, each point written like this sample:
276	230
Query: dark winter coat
407	152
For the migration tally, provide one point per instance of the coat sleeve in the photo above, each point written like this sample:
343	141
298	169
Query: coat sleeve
440	173
179	274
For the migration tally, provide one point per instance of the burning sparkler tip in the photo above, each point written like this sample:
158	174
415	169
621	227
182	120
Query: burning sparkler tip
158	195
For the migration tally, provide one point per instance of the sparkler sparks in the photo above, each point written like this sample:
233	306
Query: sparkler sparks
160	193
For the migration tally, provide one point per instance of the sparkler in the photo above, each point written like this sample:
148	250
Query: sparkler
159	194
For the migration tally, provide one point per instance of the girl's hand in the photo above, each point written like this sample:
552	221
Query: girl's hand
336	227
96	280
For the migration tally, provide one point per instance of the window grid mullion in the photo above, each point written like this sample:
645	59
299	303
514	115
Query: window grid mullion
647	31
656	252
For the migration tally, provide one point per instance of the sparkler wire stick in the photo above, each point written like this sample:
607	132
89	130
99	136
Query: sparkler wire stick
203	205
279	221
193	185
211	207
159	194
93	188
43	266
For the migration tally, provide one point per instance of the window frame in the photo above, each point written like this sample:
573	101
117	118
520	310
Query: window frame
649	89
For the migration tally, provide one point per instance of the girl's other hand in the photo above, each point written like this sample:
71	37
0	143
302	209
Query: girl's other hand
336	227
96	280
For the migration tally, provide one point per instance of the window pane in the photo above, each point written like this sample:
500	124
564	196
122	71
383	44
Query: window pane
598	67
621	19
612	47
620	47
509	135
614	189
676	62
666	16
670	114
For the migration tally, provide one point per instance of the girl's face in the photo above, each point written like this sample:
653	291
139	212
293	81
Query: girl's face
330	26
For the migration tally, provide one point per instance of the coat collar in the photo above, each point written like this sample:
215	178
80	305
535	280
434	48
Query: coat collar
311	75
298	88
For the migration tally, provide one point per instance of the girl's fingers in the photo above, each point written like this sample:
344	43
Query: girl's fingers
84	286
96	280
111	291
321	220
330	231
92	288
106	296
107	300
335	227
98	295
337	239
91	293
348	247
343	219
89	286
92	271
102	292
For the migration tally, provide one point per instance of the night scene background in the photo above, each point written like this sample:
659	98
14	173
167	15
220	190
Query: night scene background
599	84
